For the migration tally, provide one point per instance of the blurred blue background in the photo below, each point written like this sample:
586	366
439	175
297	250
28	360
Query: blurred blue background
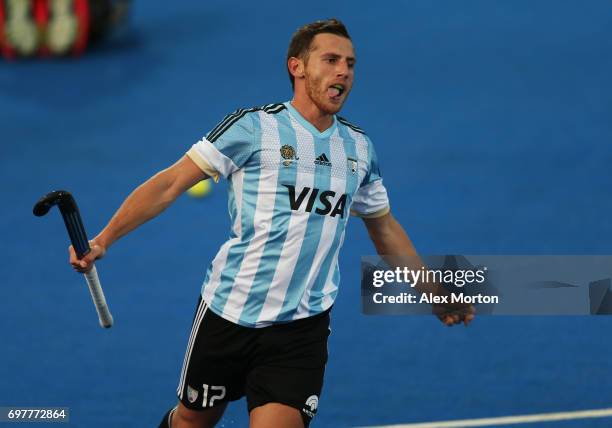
492	121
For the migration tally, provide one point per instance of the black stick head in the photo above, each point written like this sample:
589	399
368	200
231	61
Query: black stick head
72	218
62	198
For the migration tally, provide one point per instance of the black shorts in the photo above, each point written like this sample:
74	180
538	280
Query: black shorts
282	363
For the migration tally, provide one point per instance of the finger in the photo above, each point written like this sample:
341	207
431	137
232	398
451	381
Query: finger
89	258
76	263
79	264
72	258
468	319
85	267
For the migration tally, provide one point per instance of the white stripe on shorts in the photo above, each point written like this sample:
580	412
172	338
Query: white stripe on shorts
202	308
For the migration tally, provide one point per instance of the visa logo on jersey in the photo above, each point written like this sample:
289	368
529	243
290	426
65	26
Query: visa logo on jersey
329	204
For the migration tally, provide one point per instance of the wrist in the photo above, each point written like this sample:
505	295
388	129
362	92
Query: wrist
101	241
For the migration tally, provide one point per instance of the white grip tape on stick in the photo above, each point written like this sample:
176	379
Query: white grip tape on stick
93	282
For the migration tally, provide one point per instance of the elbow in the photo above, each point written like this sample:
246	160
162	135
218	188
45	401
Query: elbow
165	186
381	239
381	228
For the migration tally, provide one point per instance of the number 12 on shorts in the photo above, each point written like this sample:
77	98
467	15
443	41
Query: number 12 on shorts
213	397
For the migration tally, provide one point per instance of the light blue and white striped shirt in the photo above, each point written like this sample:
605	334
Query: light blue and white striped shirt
291	189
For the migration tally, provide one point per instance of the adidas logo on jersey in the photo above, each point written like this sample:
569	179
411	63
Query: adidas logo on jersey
322	160
327	200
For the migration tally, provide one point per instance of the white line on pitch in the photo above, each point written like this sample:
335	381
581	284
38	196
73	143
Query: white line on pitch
508	420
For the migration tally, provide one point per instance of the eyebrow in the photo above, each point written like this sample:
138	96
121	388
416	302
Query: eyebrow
335	55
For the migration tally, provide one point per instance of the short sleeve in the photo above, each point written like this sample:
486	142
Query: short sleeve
227	147
371	198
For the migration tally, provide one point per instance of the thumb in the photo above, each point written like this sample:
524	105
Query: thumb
96	252
87	261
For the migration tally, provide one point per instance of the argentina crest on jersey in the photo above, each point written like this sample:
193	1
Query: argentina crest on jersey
288	154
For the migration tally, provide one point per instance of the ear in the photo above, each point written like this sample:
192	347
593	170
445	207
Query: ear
296	67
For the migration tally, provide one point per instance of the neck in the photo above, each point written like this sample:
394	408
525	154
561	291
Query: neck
313	114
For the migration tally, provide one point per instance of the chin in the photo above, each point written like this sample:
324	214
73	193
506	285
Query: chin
333	110
330	107
324	104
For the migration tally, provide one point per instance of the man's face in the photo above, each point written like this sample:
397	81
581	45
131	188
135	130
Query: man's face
329	71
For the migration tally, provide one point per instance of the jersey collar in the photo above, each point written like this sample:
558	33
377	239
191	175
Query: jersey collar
309	126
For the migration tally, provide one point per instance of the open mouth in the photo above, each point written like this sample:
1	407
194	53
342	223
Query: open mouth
335	91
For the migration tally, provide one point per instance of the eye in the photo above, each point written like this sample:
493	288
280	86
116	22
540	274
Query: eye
332	60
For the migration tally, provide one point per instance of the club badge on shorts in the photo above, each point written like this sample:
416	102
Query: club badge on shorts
192	394
310	408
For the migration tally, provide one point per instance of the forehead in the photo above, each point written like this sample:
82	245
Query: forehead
332	43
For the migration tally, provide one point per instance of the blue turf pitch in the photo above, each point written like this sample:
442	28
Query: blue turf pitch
492	121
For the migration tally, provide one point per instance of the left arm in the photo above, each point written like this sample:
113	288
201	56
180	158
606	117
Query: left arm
390	239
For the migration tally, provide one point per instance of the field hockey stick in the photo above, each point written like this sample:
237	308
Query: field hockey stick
72	219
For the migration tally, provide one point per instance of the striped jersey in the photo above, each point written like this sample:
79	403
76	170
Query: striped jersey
291	189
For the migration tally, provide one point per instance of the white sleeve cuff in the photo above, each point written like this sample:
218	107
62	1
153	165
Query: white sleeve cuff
202	164
207	152
386	210
371	200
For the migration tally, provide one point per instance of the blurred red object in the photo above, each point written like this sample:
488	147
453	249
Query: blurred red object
56	28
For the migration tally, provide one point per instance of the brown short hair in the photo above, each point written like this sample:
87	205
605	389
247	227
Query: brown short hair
299	47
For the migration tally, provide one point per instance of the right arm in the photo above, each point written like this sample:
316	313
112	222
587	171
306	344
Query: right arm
146	202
